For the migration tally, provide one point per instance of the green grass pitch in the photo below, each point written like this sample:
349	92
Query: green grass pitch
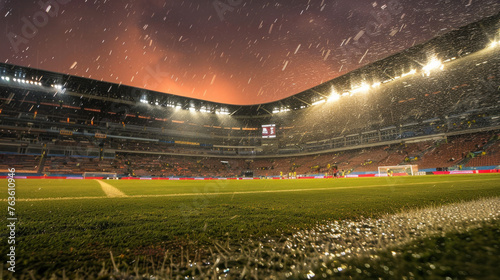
72	224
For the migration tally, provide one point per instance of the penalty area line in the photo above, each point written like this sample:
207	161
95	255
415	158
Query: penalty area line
110	191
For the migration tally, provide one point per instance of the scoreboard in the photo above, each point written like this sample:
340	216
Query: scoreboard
269	131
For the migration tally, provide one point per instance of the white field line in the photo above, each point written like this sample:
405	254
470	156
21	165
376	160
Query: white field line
333	242
368	236
110	191
333	188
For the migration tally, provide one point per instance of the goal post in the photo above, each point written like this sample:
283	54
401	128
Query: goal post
103	175
398	170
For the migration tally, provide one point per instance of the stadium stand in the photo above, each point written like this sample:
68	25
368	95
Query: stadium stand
22	163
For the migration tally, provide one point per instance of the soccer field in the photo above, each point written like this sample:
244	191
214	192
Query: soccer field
72	225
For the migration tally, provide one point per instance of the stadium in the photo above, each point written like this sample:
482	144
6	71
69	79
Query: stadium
387	172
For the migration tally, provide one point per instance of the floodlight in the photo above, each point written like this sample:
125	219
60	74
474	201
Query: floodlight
333	97
319	102
413	71
432	65
222	111
363	88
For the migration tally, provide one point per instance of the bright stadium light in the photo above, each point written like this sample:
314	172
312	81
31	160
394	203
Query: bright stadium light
333	97
377	84
321	101
433	65
280	110
363	88
222	111
144	100
413	71
494	44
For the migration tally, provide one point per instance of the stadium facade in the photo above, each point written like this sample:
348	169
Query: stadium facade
442	89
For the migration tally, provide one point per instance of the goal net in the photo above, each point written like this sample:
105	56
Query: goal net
398	170
102	175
